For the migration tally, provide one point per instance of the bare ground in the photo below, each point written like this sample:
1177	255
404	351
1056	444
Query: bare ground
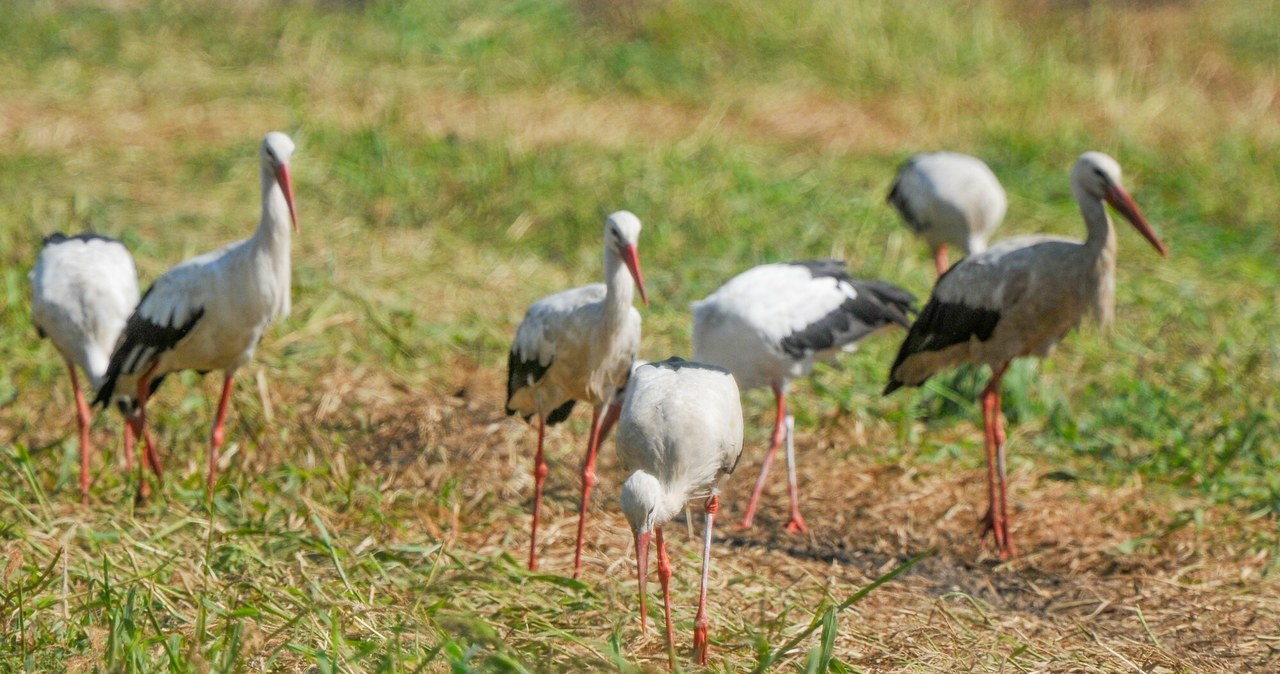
1130	578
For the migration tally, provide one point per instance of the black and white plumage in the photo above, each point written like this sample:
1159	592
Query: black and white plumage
83	289
579	344
210	312
680	433
1019	298
948	198
769	324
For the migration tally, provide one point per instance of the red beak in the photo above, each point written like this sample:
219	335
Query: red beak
642	572
1122	202
282	177
632	260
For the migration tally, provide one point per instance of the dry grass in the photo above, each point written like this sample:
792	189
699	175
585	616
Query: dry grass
376	497
1110	580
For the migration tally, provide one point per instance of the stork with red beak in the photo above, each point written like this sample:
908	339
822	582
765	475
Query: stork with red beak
579	344
681	435
1020	298
210	312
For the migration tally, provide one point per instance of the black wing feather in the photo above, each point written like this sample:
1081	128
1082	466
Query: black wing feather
874	305
899	201
142	340
943	324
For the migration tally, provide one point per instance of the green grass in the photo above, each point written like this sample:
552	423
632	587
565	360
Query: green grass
455	162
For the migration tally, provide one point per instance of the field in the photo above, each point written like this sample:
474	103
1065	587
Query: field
456	160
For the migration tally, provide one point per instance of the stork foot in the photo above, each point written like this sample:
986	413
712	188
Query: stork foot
700	641
796	525
1000	534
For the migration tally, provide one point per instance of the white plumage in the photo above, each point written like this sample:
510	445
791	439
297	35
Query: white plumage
210	312
576	345
948	198
680	433
83	289
1019	298
769	324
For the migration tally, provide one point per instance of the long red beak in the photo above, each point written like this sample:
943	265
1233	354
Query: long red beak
632	260
1122	202
642	572
282	177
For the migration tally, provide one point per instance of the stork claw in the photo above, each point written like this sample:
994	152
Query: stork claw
796	525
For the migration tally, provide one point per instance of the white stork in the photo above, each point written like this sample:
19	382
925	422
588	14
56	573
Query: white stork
83	289
210	312
948	198
579	344
1019	298
769	324
681	434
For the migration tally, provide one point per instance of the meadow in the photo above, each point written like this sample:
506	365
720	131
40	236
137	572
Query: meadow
455	162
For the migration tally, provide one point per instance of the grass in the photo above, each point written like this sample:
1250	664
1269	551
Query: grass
455	162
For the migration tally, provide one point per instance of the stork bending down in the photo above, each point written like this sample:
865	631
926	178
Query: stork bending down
947	198
769	324
83	289
681	433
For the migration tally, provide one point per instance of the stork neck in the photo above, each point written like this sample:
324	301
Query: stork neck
1101	235
274	226
620	288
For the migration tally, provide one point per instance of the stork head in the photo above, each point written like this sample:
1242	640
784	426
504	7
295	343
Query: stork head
622	235
1099	176
277	148
641	496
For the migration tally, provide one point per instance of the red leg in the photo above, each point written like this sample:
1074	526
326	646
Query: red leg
128	446
215	438
778	430
998	425
82	414
700	622
664	576
152	457
796	523
588	479
539	474
140	430
996	519
940	259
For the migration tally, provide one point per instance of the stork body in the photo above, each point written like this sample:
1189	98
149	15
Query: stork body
83	289
680	434
949	199
579	344
771	323
210	312
1020	298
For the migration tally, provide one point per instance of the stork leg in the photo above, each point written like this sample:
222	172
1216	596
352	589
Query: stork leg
779	429
664	576
588	478
997	518
128	446
700	622
139	422
539	475
940	259
215	438
796	523
82	414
